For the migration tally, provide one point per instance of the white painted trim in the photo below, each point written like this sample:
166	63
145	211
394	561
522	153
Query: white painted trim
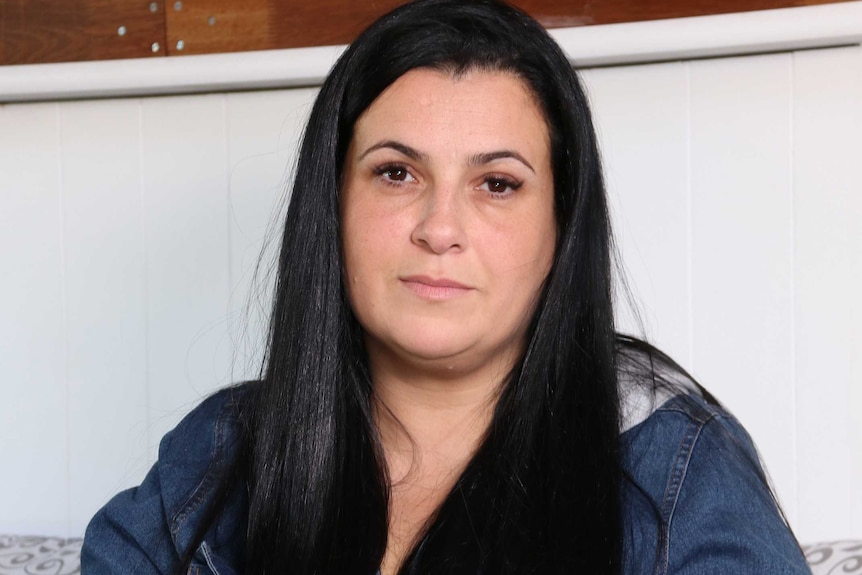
171	75
720	35
587	46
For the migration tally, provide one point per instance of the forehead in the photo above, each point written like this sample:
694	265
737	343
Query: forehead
475	104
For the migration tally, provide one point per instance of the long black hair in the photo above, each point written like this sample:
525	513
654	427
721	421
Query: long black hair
542	493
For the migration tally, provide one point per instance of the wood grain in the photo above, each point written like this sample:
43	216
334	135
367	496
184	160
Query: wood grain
37	31
562	13
53	31
219	26
207	26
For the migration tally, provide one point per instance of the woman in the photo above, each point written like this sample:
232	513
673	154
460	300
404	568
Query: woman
444	391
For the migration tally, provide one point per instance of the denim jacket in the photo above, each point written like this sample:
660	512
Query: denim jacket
692	505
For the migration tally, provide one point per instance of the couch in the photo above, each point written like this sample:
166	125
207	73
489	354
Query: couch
54	556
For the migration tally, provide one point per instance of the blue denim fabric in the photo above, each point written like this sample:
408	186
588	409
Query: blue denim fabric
692	504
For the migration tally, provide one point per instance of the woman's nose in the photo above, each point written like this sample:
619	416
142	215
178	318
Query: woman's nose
440	226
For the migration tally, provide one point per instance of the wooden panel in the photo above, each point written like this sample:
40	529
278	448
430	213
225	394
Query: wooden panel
218	26
742	249
206	26
183	151
828	211
641	117
35	31
221	26
33	394
105	294
3	18
48	31
561	13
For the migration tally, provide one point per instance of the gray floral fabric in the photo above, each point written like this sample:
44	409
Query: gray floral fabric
835	557
21	555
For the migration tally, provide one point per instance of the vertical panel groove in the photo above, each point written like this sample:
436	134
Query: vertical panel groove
229	212
231	280
146	273
67	447
793	378
690	218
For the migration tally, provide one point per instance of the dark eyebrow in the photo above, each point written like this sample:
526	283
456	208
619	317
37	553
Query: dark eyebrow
488	157
411	153
475	160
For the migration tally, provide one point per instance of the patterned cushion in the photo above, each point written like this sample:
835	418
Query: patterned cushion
834	557
55	556
39	555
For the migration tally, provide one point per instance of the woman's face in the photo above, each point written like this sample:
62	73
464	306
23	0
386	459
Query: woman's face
448	224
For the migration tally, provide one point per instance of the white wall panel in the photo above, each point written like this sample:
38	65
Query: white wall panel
641	116
828	215
184	166
129	231
105	296
33	487
741	249
263	134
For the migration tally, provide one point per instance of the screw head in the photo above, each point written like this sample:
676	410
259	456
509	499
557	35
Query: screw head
211	21
180	44
121	31
155	47
178	5
154	7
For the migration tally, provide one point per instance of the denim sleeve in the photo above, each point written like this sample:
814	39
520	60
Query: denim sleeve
130	534
724	519
141	530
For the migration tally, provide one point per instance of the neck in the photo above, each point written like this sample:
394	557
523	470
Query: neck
430	422
430	426
432	417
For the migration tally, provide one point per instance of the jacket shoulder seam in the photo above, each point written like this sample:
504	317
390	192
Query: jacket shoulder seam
678	474
202	489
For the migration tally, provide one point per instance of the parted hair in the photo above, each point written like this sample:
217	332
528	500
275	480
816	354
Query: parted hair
542	492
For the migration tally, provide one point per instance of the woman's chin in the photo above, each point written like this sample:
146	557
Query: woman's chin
436	350
442	354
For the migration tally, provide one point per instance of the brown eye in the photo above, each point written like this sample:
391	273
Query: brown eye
396	174
497	186
500	187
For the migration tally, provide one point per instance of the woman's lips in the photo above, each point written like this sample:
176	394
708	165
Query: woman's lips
435	288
